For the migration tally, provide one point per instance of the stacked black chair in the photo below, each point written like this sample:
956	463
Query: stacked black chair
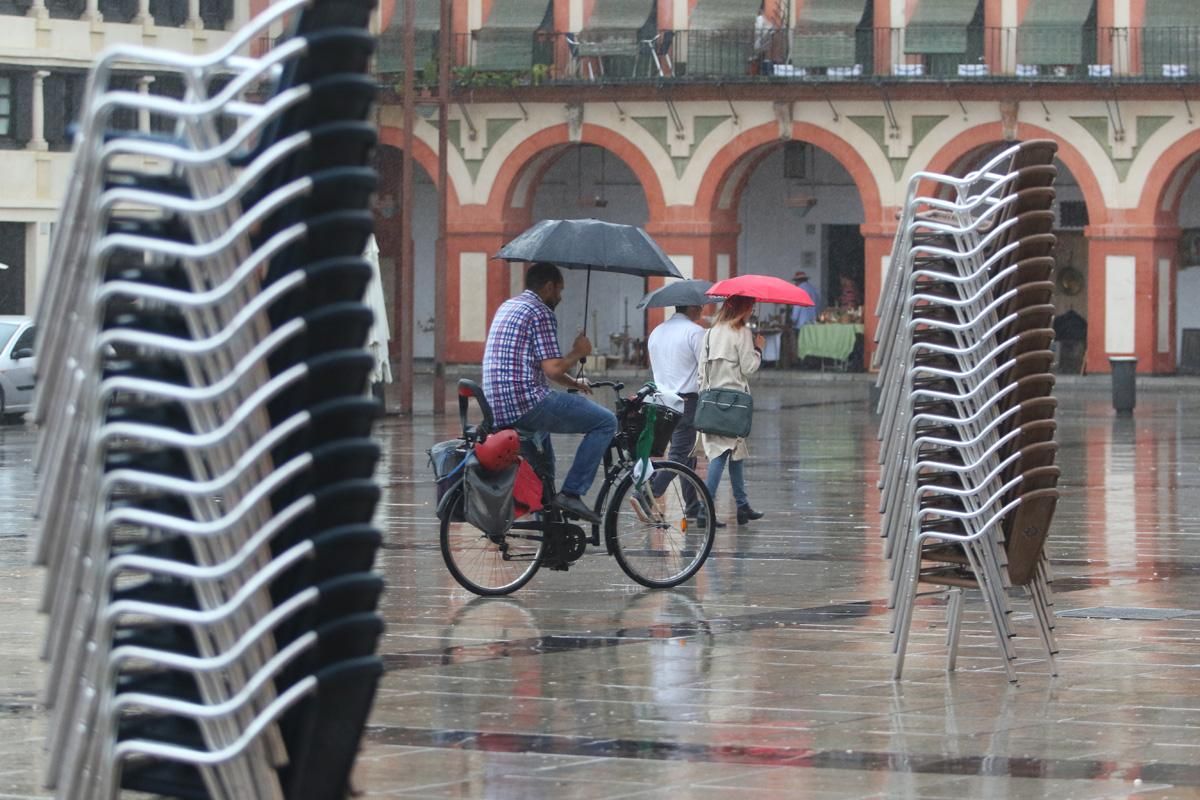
206	462
969	484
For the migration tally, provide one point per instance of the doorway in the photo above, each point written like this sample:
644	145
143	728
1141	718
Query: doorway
844	258
12	271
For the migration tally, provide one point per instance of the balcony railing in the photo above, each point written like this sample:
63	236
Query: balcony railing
507	59
214	14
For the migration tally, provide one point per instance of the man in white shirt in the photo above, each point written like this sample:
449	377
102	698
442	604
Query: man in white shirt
674	349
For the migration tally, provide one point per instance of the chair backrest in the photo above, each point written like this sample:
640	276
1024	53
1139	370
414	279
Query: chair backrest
1034	152
1036	175
1028	532
1033	340
1036	408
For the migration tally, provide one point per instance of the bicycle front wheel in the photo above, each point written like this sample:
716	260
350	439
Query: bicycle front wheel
653	538
483	564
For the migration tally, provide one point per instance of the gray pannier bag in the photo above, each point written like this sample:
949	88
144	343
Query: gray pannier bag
489	497
448	460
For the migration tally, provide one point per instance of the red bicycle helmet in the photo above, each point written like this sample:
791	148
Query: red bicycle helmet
499	451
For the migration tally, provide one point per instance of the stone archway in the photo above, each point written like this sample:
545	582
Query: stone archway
739	190
1170	204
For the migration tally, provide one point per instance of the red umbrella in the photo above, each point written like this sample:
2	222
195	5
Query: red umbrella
763	288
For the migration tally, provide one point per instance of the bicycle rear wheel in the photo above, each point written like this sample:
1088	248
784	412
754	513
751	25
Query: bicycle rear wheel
484	564
652	539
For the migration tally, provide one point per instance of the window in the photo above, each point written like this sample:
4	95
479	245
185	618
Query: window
124	118
63	93
6	106
165	86
1072	214
25	340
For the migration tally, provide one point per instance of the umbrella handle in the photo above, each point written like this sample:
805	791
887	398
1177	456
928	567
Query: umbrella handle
587	294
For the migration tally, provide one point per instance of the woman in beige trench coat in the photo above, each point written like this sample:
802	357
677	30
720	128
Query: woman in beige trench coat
729	355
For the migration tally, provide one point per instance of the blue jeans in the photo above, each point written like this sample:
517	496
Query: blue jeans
737	477
561	412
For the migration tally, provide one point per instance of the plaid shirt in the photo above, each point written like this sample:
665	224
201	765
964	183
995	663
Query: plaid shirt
524	333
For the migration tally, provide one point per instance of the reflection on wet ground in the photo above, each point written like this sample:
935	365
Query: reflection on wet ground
769	674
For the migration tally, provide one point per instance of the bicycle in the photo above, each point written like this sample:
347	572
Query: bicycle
654	540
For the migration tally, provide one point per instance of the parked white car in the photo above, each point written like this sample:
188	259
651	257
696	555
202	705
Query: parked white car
17	364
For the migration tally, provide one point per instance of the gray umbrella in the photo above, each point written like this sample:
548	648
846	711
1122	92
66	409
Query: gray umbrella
591	244
679	293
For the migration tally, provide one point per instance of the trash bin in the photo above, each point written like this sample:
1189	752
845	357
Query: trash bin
1124	383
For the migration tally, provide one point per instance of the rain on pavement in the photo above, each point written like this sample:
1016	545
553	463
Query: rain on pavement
769	674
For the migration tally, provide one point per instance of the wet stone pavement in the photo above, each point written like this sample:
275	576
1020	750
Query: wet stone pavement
769	674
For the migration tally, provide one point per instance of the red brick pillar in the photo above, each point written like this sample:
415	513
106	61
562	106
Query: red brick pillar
1131	295
476	285
700	249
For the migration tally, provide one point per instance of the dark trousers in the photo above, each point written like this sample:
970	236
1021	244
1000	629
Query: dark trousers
683	439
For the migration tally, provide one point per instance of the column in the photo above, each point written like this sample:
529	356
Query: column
143	17
241	15
878	239
143	87
92	11
699	247
476	284
38	9
1130	292
37	139
193	20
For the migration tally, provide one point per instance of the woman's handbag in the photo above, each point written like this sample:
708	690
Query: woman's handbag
723	412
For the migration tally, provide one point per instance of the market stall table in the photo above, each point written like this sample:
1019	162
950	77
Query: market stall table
831	340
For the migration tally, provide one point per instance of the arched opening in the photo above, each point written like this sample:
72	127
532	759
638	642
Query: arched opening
582	181
799	209
1072	271
1186	213
388	161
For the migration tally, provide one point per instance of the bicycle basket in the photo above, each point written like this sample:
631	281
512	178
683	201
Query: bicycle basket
634	421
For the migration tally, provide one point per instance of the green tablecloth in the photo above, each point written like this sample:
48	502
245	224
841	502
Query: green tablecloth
827	340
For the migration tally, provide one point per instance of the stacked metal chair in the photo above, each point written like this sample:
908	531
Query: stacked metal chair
206	467
968	483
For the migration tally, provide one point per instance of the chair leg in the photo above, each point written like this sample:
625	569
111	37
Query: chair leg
904	612
954	601
998	625
1044	615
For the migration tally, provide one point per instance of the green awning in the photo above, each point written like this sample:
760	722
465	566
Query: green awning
720	37
1171	36
940	26
615	27
611	15
389	55
826	33
506	40
724	15
1053	32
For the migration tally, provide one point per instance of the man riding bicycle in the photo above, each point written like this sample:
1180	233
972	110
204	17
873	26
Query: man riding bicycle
521	357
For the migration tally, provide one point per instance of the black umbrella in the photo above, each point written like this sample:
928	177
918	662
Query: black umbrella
679	293
591	244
